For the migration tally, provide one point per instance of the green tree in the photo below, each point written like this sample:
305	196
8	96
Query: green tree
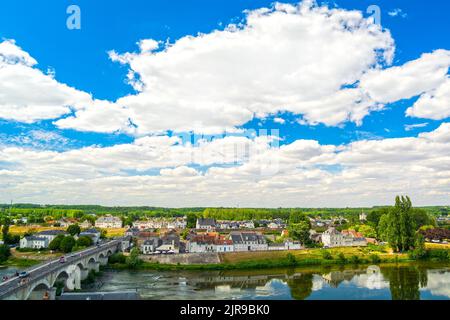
67	244
55	244
422	218
398	226
5	253
419	251
191	220
133	260
300	231
5	231
74	229
373	217
367	231
84	241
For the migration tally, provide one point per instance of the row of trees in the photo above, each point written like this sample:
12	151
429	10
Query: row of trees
67	244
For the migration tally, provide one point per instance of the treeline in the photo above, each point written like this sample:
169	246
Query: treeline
41	214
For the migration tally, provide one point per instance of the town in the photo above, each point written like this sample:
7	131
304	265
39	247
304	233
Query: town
164	235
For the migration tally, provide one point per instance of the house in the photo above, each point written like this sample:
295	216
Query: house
248	241
34	242
149	246
92	233
170	242
355	239
273	225
161	223
292	245
86	224
315	236
206	224
132	232
209	242
125	244
275	246
247	224
348	238
201	243
226	224
108	221
287	245
332	238
362	217
50	234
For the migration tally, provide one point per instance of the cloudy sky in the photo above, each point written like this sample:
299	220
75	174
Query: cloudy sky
225	103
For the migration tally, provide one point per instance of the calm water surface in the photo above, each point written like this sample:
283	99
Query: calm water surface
368	282
424	281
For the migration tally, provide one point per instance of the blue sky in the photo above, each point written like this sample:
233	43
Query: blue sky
80	59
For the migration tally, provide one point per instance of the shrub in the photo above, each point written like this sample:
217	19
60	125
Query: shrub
84	241
355	259
374	258
442	255
67	244
341	258
291	261
74	229
117	258
133	260
327	255
55	244
5	253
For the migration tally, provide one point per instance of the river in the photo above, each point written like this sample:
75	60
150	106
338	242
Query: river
424	281
404	282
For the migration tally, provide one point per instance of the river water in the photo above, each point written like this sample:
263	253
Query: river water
422	281
354	283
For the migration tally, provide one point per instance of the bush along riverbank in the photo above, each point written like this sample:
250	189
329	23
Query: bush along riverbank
289	260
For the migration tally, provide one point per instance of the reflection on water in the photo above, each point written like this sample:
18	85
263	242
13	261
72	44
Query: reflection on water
388	282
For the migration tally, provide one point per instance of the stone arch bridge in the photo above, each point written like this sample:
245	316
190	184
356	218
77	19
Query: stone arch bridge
42	278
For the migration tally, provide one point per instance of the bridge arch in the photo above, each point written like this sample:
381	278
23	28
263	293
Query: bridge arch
81	265
42	285
61	276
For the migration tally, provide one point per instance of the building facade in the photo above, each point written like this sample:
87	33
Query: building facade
108	222
347	238
248	241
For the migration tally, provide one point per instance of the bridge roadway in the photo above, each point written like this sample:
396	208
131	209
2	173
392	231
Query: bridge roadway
43	270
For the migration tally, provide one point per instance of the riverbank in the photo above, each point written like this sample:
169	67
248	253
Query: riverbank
288	259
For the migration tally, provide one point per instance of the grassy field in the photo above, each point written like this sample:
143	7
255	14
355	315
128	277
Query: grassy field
115	232
310	254
21	230
20	263
437	246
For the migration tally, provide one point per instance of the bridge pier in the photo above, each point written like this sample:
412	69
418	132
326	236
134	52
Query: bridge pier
84	273
94	266
103	261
